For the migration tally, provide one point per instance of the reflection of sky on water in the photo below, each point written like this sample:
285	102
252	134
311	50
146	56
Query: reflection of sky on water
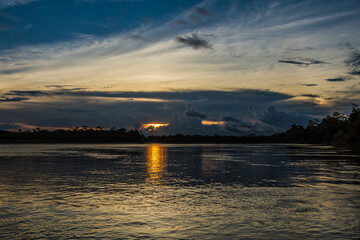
200	191
211	164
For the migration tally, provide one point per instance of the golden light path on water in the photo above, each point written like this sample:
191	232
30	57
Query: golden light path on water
156	161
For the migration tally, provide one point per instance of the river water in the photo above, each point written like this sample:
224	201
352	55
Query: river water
164	191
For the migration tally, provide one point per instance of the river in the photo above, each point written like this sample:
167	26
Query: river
173	191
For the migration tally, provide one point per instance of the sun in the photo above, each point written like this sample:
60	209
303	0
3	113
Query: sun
207	123
154	126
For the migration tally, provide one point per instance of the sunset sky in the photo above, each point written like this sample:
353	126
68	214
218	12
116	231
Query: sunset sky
207	67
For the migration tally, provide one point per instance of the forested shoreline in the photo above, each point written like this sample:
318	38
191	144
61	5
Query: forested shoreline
338	130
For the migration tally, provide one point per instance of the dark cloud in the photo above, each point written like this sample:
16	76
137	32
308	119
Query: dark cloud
59	91
197	19
77	111
192	113
353	62
56	86
263	122
113	109
283	120
309	84
299	49
310	95
202	12
250	126
14	70
181	22
8	126
230	119
74	89
355	72
339	79
14	99
348	46
302	61
64	88
236	129
194	41
243	95
26	93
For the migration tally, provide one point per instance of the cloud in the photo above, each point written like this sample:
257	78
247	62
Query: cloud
282	119
14	99
299	49
355	72
9	16
264	122
194	41
302	61
4	27
137	37
310	95
243	112
9	3
353	62
121	109
190	95
192	113
230	119
27	93
28	26
15	70
202	12
180	22
339	79
348	46
310	84
8	126
77	111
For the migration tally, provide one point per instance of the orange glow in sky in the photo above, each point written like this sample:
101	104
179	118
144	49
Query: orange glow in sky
155	126
205	122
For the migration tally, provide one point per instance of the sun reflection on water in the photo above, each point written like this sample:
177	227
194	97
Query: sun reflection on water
156	161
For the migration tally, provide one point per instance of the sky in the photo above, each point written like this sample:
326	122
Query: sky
201	67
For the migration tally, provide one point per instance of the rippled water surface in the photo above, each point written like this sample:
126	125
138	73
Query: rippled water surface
178	191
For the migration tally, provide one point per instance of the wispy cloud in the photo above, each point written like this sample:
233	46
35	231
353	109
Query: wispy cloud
339	79
9	16
4	27
194	41
203	12
9	3
14	99
310	95
302	61
310	84
353	62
